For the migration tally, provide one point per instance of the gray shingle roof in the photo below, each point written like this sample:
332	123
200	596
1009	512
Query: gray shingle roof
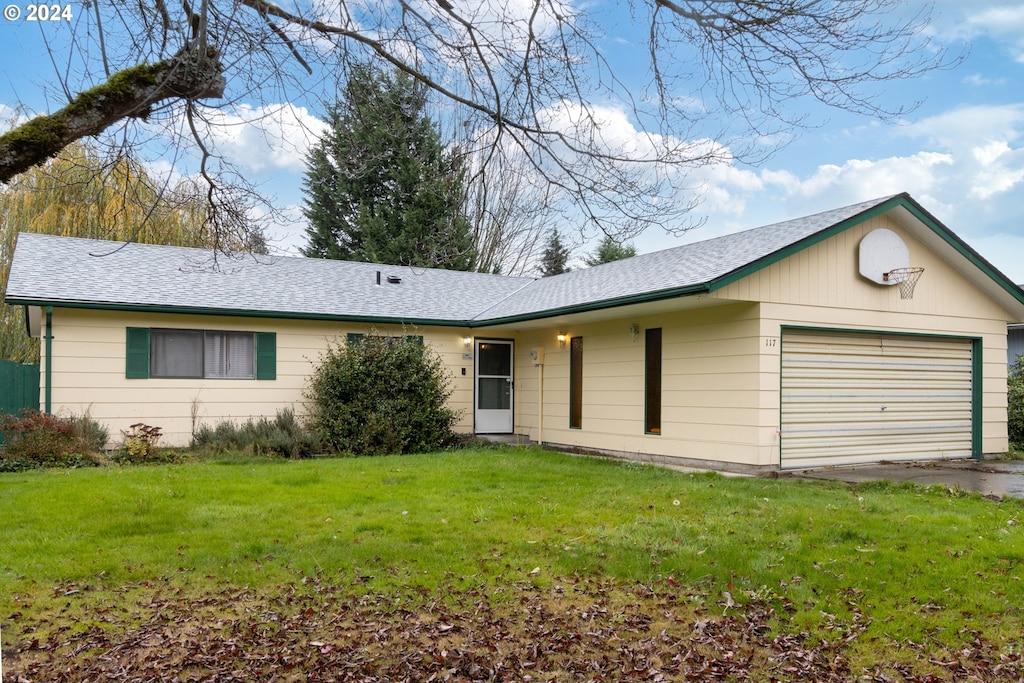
678	268
80	271
71	271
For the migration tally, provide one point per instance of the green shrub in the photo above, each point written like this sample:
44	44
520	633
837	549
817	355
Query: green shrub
284	436
1015	399
382	395
35	439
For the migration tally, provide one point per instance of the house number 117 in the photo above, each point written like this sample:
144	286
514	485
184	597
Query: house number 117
771	342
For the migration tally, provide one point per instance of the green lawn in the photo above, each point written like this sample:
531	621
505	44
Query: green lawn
900	580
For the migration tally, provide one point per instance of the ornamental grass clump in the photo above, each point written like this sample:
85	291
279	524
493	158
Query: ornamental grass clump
377	395
284	436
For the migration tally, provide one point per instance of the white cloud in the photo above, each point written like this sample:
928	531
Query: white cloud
286	236
981	139
1001	20
962	127
980	80
267	138
11	117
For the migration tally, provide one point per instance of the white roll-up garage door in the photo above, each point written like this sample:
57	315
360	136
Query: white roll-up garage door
850	398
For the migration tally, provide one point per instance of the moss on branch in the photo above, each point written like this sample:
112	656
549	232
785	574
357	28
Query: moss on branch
129	93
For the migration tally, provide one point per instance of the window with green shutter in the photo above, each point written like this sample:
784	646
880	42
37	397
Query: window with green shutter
137	353
199	354
266	355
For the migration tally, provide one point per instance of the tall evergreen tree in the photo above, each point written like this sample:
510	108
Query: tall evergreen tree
380	185
556	256
609	250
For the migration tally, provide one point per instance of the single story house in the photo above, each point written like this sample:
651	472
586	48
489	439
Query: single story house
786	346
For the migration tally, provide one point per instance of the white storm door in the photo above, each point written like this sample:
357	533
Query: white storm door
493	387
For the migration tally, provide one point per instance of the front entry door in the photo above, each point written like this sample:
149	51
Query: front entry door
494	387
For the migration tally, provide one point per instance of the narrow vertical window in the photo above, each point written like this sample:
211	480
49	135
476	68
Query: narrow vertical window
652	382
576	383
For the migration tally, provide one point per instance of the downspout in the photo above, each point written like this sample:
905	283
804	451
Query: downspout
540	404
48	336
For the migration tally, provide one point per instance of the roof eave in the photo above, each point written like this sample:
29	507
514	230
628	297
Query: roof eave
974	258
235	313
904	201
809	241
618	302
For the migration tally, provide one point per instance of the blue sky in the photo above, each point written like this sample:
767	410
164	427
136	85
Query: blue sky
961	153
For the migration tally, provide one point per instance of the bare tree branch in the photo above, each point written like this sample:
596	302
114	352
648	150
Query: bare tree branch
128	94
535	82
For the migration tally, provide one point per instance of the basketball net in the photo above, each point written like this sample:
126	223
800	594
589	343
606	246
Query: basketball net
906	278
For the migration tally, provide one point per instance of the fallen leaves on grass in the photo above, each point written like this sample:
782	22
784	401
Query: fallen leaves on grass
580	630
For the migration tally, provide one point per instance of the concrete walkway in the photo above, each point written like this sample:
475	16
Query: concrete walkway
991	478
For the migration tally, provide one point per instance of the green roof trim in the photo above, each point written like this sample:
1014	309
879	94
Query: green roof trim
646	297
964	249
805	243
239	313
902	200
54	271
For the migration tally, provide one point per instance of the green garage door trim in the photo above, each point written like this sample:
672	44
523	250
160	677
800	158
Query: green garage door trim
851	397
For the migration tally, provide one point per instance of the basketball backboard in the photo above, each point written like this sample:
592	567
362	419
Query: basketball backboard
881	251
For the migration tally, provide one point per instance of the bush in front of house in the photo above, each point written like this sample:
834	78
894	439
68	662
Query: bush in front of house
283	436
1015	400
379	395
34	439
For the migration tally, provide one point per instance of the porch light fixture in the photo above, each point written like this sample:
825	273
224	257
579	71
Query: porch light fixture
561	340
635	331
467	342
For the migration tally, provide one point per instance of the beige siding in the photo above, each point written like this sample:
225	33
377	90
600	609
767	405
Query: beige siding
89	371
826	275
721	359
721	365
821	287
711	406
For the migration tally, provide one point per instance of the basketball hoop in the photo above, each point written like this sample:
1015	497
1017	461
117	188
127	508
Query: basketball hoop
906	278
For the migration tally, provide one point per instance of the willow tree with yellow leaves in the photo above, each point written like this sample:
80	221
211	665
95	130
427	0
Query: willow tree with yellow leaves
80	193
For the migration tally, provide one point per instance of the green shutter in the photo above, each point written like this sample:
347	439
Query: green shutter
137	353
266	355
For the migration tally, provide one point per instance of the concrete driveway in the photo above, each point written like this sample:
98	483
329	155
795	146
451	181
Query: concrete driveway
991	478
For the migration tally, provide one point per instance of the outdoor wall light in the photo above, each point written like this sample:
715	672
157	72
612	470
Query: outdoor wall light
635	331
561	340
467	342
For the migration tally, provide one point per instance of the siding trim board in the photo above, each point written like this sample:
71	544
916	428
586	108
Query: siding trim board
854	396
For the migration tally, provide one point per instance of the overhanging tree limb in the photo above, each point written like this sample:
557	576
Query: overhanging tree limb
130	93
